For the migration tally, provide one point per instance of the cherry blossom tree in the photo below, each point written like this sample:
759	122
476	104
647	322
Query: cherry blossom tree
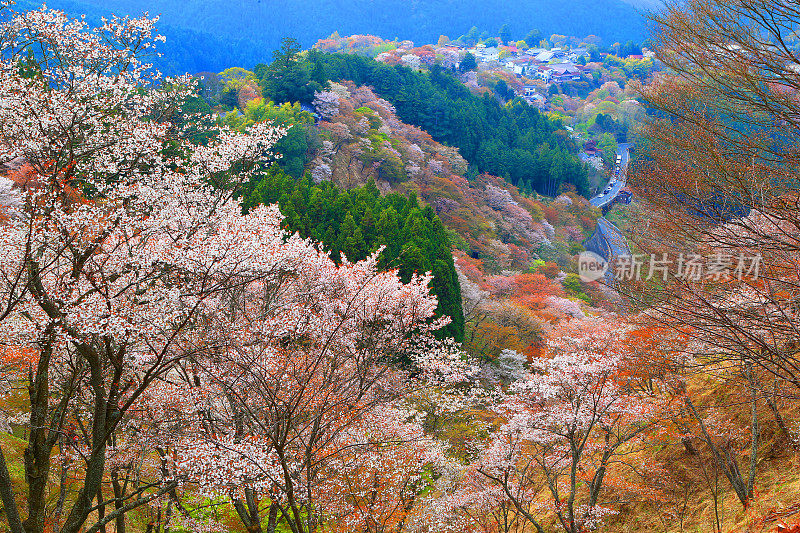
479	504
327	104
121	244
307	359
718	189
565	426
168	328
411	61
378	484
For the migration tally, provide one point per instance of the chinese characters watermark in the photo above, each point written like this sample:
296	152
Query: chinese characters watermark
688	267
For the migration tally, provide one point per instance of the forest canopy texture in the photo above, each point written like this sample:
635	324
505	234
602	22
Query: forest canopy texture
513	141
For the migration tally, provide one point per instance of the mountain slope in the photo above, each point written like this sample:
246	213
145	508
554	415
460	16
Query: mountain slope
201	33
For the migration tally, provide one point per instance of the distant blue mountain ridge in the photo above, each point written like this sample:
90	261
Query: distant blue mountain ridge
214	34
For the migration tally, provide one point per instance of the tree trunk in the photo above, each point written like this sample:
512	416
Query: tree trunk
101	508
39	449
252	506
781	423
754	433
62	485
728	462
168	516
272	519
95	468
9	502
119	492
246	516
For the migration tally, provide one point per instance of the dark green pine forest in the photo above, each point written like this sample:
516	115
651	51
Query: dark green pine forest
355	223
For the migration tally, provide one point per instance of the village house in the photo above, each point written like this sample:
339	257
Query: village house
575	53
509	65
562	72
536	100
544	73
523	65
546	56
488	54
531	96
529	90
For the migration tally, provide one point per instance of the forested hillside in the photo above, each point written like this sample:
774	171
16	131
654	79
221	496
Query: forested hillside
327	180
513	141
198	333
208	34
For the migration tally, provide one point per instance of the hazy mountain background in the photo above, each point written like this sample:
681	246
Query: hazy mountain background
216	34
645	4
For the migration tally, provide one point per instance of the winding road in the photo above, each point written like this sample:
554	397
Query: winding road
623	150
607	240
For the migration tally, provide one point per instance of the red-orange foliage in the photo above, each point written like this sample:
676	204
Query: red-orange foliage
247	93
470	266
326	45
551	214
15	357
550	269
